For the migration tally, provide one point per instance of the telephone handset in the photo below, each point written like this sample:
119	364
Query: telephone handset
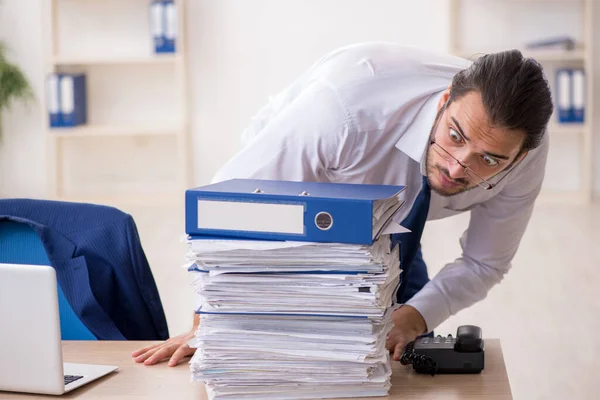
463	354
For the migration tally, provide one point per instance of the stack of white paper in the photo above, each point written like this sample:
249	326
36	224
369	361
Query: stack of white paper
293	320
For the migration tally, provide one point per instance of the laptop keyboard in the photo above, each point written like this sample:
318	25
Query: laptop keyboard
72	378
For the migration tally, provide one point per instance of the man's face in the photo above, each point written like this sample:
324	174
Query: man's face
465	133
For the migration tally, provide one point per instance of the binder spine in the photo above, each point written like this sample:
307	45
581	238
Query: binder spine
73	103
267	217
53	100
170	24
564	92
578	82
157	26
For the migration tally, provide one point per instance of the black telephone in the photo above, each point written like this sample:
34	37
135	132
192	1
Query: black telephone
447	355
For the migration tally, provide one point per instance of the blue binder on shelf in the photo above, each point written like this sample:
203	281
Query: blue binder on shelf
564	95
53	100
289	210
578	103
570	87
157	26
66	99
163	25
170	21
73	101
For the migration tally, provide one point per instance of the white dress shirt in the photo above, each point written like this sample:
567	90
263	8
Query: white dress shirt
363	114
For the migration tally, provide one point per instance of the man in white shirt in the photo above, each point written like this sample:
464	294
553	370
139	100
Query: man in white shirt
379	113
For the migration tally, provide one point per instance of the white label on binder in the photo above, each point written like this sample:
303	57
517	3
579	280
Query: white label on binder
67	95
156	20
170	21
52	94
578	89
564	90
251	216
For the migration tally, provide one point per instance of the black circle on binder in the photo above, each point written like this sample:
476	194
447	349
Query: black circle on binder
323	220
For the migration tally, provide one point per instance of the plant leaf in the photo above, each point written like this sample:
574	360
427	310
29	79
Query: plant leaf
13	85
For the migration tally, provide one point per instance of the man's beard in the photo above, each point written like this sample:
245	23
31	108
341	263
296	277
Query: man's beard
434	169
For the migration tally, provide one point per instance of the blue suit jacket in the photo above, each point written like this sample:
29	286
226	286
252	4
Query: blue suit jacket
100	266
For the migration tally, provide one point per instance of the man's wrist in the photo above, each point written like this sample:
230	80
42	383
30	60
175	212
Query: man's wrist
409	317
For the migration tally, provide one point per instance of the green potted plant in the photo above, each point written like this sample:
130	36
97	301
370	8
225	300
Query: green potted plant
13	84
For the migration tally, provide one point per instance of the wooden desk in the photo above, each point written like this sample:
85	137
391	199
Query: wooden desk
136	381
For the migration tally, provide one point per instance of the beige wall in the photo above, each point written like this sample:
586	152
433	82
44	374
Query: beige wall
240	53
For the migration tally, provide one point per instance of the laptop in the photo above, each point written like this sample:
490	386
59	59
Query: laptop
30	340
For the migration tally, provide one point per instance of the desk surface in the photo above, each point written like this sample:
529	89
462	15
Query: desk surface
136	381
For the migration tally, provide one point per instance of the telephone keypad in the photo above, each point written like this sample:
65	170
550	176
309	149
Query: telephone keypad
446	342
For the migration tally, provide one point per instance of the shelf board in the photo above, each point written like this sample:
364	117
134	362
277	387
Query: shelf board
553	196
166	58
539	55
149	129
567	129
556	55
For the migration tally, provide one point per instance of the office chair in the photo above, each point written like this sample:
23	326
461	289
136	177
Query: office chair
105	281
19	244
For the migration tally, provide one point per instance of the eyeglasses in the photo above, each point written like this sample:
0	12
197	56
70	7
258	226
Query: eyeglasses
481	182
468	171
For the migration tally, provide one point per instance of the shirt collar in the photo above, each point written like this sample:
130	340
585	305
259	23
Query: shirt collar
413	142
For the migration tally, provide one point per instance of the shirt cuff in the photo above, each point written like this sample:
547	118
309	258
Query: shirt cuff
432	306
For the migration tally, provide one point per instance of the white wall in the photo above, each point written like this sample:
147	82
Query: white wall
240	52
244	51
596	115
22	154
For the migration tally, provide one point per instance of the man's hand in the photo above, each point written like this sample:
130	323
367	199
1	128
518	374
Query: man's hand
408	324
176	348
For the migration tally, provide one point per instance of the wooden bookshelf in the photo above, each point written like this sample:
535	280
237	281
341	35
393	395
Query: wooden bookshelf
64	54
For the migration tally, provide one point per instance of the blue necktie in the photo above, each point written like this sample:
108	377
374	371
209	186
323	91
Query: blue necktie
410	241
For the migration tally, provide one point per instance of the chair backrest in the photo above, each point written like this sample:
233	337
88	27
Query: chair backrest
20	244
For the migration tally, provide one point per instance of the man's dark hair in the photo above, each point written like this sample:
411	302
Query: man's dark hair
514	91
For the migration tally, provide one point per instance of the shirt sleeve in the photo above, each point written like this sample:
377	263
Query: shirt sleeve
488	245
302	141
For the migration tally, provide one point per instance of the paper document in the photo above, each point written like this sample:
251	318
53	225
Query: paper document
294	320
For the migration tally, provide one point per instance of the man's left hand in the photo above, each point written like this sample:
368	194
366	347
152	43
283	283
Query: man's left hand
408	324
